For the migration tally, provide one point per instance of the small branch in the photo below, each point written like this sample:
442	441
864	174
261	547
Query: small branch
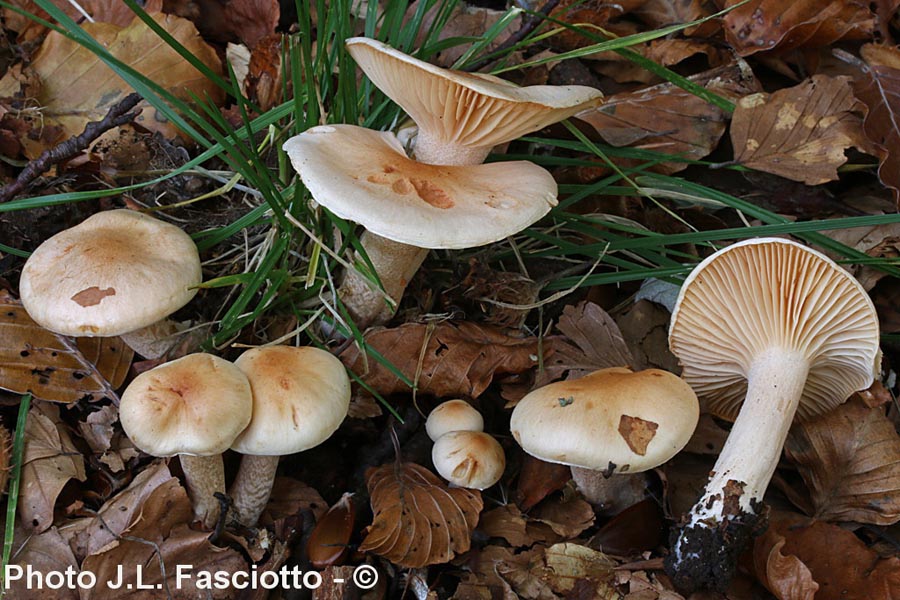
118	115
527	27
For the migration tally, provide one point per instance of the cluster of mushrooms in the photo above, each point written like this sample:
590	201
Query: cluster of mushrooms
766	330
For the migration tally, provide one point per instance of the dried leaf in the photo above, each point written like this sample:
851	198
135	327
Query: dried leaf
667	119
538	479
457	359
841	564
51	367
103	11
598	344
785	576
506	522
49	462
418	520
562	570
800	133
638	528
157	535
328	541
42	553
878	87
252	20
70	98
762	25
645	328
568	517
291	497
848	459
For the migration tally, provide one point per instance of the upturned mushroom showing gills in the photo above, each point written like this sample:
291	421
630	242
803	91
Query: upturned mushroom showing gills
765	329
609	421
461	116
119	272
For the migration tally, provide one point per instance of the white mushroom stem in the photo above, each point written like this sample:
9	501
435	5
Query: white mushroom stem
396	264
433	150
153	341
775	383
252	487
205	475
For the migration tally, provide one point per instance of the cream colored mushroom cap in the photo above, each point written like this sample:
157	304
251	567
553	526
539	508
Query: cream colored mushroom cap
115	272
300	397
194	405
465	108
364	176
773	292
611	419
469	459
453	415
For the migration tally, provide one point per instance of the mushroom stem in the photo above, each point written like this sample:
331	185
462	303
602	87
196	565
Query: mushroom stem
252	487
154	340
705	552
433	150
205	475
396	264
609	494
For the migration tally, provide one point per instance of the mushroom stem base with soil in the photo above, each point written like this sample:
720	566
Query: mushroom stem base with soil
396	264
706	548
205	475
252	487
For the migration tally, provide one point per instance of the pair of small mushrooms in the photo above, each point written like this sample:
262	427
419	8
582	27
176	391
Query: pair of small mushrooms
119	272
607	425
463	453
272	401
445	198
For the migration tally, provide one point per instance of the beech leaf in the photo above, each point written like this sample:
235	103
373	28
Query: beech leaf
418	520
848	458
445	360
42	553
50	460
800	133
57	368
785	576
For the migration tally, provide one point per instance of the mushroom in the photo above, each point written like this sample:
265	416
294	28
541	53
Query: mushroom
119	272
609	421
300	397
453	415
461	116
469	459
193	407
408	207
764	329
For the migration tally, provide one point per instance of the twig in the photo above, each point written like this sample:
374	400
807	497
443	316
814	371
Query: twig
118	115
527	27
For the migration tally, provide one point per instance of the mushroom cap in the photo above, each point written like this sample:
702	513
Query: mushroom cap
115	272
773	292
300	397
365	176
468	109
469	459
612	419
453	415
194	405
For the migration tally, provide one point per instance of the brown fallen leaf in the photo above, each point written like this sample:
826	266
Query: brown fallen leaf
538	479
564	570
418	520
103	11
801	132
42	553
785	576
56	368
878	87
444	360
638	528
645	328
328	542
589	15
72	97
764	25
838	561
49	462
506	522
156	536
291	497
666	52
667	119
848	458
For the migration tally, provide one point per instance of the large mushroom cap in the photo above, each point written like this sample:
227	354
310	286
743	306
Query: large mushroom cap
610	419
300	397
365	176
115	272
194	405
464	108
773	292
